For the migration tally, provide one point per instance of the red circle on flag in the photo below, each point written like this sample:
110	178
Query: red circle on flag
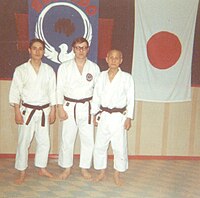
163	50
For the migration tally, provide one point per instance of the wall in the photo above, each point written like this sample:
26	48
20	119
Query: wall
159	129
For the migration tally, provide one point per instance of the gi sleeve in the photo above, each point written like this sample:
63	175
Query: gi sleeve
16	88
130	97
95	104
60	84
52	87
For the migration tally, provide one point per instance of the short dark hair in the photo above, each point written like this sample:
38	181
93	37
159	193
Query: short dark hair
32	41
80	40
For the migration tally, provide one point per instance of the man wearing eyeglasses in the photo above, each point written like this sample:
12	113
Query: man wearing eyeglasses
75	83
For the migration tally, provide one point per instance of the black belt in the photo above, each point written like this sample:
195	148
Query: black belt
81	101
34	108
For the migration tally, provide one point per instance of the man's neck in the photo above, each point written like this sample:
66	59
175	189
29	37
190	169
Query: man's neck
36	64
112	73
80	61
80	64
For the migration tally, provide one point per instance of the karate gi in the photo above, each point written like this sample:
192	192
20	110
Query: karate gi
76	86
34	89
118	93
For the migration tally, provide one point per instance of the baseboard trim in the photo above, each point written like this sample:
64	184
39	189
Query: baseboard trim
131	157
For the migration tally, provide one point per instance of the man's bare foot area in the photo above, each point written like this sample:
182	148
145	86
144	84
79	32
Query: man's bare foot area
101	176
21	178
117	179
86	174
65	174
45	173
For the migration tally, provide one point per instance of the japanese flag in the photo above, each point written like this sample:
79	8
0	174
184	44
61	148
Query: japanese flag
163	46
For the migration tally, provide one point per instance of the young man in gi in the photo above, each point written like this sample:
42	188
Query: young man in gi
33	96
113	107
75	83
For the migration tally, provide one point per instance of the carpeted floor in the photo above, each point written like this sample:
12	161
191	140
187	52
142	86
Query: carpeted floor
144	179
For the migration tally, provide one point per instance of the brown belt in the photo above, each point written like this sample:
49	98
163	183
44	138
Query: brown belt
81	101
113	110
34	108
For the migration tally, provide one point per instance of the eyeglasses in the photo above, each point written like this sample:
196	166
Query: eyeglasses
81	48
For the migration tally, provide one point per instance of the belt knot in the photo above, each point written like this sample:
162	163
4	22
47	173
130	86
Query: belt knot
34	108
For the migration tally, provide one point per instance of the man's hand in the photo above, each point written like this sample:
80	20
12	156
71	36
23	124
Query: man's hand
52	115
18	116
62	114
127	124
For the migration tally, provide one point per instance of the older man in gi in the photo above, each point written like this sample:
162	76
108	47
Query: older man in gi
113	106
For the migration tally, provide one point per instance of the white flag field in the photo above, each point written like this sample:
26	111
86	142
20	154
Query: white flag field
162	50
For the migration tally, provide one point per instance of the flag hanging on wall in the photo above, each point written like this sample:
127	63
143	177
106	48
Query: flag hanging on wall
163	46
58	23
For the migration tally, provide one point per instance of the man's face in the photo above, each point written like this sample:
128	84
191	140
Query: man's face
114	59
36	51
81	50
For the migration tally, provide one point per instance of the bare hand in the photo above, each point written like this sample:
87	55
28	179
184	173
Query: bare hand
127	124
18	117
62	113
52	115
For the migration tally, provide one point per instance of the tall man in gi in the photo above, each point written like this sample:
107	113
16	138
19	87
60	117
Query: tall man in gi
75	83
113	107
33	95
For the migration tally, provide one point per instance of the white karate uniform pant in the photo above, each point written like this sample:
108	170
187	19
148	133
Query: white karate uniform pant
111	129
26	133
69	131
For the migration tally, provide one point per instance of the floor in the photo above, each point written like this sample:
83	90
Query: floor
144	179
